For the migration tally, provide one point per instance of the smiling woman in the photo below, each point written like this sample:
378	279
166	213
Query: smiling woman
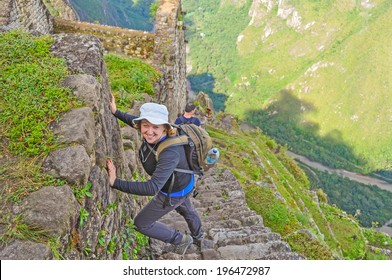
171	184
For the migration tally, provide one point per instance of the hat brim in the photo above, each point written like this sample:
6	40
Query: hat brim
155	121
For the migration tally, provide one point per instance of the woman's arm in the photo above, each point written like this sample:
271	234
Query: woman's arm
127	118
167	162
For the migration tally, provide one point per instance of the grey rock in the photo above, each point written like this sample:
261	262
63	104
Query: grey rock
25	250
77	127
84	87
70	163
52	209
83	53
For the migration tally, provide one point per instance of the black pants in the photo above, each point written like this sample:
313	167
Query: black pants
146	220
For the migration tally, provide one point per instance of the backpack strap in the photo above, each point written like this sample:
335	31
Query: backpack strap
172	141
167	200
183	119
184	170
187	121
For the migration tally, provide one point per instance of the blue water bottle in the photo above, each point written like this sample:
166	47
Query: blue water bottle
212	156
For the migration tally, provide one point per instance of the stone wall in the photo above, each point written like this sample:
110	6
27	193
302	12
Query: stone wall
110	211
169	56
28	15
132	43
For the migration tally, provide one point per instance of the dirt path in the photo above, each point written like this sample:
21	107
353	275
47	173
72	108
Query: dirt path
344	173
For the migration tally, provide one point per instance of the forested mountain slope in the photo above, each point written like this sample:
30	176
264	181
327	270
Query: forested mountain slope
313	74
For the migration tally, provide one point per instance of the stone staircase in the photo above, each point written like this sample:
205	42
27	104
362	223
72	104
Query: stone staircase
234	232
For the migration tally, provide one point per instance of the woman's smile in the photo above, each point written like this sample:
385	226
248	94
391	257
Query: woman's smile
151	132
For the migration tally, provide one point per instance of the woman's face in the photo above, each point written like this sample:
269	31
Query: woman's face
152	132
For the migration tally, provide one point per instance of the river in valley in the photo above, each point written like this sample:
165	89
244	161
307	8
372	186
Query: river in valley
344	173
352	176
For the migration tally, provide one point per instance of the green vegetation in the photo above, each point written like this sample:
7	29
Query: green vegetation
153	11
18	229
372	202
30	98
82	192
134	242
214	58
303	243
131	14
321	88
22	176
83	217
129	79
278	77
376	239
56	9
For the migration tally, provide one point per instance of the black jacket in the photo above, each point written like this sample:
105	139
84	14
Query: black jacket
161	171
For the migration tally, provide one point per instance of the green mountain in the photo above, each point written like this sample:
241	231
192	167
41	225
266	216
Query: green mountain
315	75
132	14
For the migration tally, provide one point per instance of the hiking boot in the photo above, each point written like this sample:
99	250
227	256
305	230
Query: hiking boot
197	239
186	241
199	236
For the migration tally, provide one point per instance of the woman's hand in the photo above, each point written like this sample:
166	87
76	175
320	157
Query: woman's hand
113	107
111	172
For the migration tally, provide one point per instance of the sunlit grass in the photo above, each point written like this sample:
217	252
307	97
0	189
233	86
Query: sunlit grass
130	79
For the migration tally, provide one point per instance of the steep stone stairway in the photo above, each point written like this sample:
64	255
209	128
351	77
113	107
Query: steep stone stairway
233	230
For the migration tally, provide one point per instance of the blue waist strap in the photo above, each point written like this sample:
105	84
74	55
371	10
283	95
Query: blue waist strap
185	190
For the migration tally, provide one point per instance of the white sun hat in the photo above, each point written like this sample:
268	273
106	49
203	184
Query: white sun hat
154	113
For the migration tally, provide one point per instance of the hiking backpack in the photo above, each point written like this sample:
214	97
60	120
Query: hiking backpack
196	141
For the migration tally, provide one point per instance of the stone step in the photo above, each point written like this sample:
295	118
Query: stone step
222	224
256	251
242	236
228	220
225	211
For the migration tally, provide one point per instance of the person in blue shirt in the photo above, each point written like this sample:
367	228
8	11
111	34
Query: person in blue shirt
188	116
154	128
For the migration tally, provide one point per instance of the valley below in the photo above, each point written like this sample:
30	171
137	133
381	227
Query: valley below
368	180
